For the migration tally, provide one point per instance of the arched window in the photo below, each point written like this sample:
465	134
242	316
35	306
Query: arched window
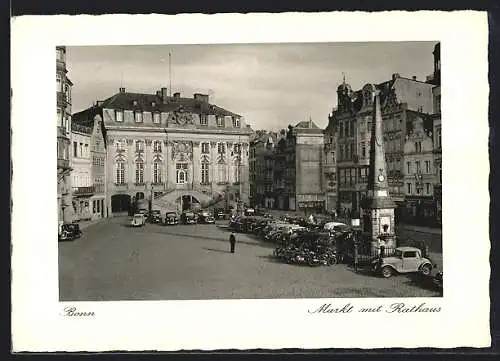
181	173
221	170
205	170
157	172
120	173
139	172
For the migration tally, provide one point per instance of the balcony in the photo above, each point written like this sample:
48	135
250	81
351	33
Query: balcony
83	191
63	164
61	132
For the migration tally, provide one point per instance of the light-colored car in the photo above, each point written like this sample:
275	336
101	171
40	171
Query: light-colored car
404	260
138	220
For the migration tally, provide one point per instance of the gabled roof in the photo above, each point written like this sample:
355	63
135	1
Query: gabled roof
307	125
125	101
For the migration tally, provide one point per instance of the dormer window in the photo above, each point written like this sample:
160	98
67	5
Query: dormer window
138	116
203	119
119	115
236	122
156	117
220	121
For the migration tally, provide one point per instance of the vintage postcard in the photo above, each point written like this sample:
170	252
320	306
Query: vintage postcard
250	181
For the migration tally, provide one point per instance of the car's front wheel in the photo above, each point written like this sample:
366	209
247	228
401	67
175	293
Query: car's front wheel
426	270
387	271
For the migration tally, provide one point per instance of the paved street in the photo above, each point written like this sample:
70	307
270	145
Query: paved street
114	262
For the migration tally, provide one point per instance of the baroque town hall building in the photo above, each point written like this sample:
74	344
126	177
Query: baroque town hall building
178	152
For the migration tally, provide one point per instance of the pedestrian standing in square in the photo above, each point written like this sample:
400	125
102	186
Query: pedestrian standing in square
232	241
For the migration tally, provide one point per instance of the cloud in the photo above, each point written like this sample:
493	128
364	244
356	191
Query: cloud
272	85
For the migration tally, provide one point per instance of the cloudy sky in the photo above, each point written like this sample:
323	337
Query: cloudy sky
271	85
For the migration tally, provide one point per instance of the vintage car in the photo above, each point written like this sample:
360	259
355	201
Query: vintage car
221	214
69	232
205	217
171	218
155	216
138	220
189	217
404	260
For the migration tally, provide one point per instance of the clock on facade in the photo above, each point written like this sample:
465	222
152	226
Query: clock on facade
381	178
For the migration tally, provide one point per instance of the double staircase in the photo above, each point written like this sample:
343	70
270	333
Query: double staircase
168	202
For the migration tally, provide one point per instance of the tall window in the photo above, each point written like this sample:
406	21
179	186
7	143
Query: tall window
157	146
156	118
363	150
220	121
205	148
86	150
205	179
75	149
341	130
417	164
139	146
221	148
352	150
139	172
119	115
120	173
58	83
438	138
237	148
156	172
138	116
346	130
427	166
352	128
81	149
408	167
181	173
440	175
236	172
408	188
341	152
418	147
428	188
222	172
203	119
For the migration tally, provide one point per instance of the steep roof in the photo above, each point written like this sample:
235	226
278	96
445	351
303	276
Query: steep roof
125	100
307	125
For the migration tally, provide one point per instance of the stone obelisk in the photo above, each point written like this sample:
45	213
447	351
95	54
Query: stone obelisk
377	209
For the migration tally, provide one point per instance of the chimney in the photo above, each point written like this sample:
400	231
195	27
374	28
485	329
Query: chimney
158	93
414	77
99	103
122	90
164	95
201	97
395	76
176	96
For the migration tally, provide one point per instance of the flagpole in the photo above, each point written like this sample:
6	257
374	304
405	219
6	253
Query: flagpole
170	72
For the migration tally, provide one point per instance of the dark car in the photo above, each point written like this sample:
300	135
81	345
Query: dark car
206	217
155	216
171	218
69	232
221	214
189	217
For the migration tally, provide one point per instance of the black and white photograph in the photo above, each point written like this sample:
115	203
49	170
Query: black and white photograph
276	186
250	171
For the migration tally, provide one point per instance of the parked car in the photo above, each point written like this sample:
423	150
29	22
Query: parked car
404	260
171	218
138	220
220	214
69	232
189	217
155	216
143	211
205	217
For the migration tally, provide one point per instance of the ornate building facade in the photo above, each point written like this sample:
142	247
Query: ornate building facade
63	93
176	152
88	158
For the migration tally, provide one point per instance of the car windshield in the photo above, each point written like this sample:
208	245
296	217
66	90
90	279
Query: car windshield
138	216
